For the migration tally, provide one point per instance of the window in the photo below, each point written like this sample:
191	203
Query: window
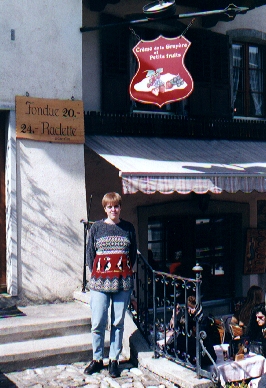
209	241
248	80
156	241
212	245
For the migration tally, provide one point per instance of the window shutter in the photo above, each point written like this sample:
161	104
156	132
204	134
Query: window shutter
209	65
115	68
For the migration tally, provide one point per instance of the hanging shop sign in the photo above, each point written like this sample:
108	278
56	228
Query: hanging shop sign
161	77
50	120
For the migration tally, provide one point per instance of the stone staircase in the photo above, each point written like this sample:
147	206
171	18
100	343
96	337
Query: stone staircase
47	335
55	334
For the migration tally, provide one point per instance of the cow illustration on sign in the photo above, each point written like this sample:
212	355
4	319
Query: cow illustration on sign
161	77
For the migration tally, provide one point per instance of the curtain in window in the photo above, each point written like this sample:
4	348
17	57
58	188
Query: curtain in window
255	77
236	69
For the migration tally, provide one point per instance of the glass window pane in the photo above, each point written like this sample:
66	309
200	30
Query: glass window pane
248	80
238	79
155	240
211	238
155	231
254	58
237	55
157	250
239	105
210	241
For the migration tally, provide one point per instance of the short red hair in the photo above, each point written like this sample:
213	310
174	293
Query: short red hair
112	199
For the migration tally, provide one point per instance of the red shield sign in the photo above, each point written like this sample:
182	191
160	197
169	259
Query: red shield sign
161	77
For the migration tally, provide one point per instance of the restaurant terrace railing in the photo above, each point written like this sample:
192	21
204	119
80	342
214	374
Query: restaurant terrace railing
159	301
168	125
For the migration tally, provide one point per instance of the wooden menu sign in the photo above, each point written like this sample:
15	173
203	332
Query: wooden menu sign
50	120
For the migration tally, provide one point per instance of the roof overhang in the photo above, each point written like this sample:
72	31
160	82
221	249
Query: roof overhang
167	165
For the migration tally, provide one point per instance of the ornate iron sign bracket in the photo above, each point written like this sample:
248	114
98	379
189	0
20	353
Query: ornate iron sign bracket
231	10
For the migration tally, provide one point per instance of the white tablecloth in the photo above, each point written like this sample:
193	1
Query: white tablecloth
253	365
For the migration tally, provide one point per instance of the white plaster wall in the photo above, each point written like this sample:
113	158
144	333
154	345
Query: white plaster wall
45	57
50	182
46	195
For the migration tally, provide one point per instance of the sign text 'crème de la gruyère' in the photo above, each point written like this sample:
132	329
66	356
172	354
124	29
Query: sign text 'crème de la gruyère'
49	120
162	77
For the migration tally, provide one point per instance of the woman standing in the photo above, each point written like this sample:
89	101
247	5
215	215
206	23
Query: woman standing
111	254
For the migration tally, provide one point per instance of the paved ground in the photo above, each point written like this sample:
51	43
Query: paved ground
72	376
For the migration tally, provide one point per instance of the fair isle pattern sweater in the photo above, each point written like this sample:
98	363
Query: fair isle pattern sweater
111	254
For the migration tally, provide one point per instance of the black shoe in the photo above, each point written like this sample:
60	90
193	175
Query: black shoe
113	369
93	367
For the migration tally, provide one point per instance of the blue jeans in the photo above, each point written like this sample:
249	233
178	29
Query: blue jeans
99	303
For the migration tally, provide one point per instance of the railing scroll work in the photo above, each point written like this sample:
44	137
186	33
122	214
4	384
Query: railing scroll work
162	310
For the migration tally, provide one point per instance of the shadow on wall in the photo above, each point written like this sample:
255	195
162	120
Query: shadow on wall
49	239
101	177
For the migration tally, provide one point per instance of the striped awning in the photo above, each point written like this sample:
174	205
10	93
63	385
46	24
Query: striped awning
166	165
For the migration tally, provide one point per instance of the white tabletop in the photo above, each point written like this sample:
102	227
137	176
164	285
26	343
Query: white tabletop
253	365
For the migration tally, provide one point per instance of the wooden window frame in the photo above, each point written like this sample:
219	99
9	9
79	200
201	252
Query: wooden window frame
245	92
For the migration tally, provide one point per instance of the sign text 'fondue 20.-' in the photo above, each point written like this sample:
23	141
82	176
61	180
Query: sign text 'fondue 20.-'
49	120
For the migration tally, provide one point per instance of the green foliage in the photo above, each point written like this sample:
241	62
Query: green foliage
234	384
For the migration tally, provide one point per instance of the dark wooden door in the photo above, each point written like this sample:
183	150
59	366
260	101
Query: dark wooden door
3	117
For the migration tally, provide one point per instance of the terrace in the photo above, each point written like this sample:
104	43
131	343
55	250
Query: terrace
168	125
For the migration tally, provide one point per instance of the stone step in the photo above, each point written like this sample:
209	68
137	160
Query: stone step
51	334
46	352
47	335
45	321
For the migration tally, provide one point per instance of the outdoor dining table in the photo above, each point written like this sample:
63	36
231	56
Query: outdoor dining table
252	366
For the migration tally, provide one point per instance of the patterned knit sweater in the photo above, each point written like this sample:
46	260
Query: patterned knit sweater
111	254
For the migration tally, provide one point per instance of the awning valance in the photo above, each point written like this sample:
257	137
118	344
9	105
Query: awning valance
167	165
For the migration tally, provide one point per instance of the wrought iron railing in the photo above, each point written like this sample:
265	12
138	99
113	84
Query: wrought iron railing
157	294
167	125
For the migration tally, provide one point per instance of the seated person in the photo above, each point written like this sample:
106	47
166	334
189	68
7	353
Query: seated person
255	296
256	329
178	349
208	323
